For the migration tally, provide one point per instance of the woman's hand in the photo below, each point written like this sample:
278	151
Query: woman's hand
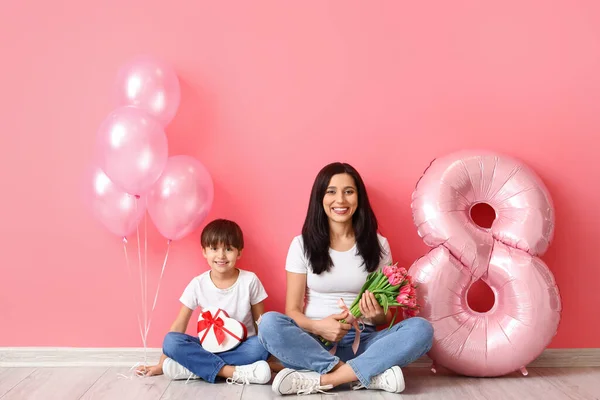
149	370
330	328
370	308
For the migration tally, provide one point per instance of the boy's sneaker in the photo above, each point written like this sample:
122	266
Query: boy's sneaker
390	380
258	372
290	381
174	370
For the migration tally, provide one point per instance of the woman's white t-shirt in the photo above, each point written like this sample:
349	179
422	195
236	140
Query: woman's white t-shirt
237	299
344	280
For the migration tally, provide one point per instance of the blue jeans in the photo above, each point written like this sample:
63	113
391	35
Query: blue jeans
402	344
187	351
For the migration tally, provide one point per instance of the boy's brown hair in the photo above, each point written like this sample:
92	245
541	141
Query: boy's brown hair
224	232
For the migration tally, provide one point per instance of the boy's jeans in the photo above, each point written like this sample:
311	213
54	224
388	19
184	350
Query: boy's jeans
378	351
187	351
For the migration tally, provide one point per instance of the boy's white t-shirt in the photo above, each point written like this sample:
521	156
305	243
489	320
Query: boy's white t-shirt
237	299
344	280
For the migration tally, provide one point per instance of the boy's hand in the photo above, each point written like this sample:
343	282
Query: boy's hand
149	370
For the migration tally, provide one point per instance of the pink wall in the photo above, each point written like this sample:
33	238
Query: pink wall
272	91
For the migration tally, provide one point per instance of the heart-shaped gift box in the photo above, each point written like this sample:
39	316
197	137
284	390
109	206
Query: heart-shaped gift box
218	332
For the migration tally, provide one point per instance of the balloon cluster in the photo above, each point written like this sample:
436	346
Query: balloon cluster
133	171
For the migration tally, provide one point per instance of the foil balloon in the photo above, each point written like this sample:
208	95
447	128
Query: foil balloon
527	306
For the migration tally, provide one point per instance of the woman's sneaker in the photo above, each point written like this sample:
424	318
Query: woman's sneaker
174	370
258	372
390	380
290	381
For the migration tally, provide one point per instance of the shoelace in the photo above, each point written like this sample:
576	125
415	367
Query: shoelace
240	377
306	385
378	381
181	370
190	374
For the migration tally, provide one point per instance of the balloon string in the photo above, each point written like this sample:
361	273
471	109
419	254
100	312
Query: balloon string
146	281
143	292
137	312
162	271
133	371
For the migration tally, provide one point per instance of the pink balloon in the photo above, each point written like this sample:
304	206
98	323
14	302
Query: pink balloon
182	197
132	149
526	312
150	84
118	211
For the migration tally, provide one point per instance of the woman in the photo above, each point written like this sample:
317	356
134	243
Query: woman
338	247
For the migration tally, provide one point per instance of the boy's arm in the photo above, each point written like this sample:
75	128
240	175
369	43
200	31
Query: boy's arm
180	325
257	311
182	320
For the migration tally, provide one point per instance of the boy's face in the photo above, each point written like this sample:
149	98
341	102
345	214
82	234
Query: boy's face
221	258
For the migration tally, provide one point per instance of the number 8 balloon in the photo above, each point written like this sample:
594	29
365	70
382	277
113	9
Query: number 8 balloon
526	311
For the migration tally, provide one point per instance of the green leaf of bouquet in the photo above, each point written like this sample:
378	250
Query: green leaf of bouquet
394	318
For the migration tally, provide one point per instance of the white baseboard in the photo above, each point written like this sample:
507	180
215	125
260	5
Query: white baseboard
129	356
76	357
550	358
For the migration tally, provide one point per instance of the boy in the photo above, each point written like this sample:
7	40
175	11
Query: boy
236	291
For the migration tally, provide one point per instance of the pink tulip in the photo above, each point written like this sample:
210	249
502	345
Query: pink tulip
402	299
388	270
411	312
394	279
405	290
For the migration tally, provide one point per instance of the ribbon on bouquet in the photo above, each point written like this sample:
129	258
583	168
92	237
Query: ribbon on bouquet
352	321
208	321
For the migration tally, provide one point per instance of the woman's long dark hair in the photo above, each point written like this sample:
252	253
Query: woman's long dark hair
315	232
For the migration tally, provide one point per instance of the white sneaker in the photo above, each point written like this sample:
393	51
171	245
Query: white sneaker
258	372
290	381
390	380
174	370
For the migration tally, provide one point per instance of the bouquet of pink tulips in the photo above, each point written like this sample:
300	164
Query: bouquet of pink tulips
392	287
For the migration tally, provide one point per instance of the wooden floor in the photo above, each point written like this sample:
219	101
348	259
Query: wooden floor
106	383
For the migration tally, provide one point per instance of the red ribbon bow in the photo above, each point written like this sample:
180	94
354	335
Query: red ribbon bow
217	324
